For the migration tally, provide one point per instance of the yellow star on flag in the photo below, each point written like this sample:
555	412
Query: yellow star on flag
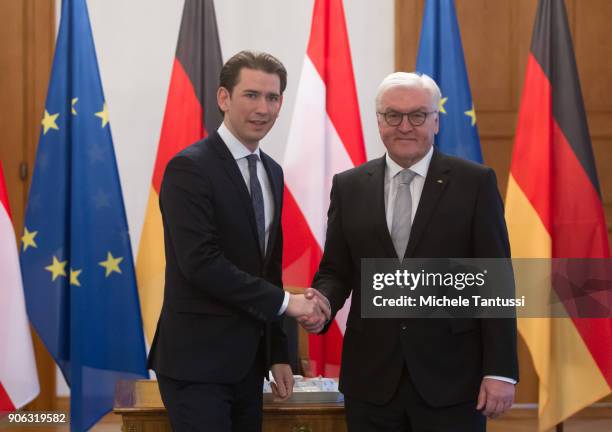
48	122
111	264
441	105
74	277
27	239
471	114
74	101
57	268
103	115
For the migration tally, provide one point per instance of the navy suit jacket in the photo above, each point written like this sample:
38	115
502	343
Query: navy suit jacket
221	296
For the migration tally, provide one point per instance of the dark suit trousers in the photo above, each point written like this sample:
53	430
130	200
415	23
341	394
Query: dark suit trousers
408	412
211	407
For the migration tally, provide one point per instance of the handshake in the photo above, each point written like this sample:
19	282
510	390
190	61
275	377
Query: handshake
311	310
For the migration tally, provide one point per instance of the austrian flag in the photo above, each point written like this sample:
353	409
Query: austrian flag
325	138
18	377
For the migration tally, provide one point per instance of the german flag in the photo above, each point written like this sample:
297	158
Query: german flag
191	113
554	210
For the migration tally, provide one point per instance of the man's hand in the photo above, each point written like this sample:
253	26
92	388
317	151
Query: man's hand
300	306
322	301
495	397
283	377
315	324
311	310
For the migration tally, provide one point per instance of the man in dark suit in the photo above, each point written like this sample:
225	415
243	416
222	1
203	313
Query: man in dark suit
436	375
219	331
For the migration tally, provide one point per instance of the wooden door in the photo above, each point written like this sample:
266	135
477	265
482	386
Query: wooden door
27	38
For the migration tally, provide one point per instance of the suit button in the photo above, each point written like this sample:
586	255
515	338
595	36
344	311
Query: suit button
403	326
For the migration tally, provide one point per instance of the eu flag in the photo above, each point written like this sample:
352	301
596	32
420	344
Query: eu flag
441	57
76	255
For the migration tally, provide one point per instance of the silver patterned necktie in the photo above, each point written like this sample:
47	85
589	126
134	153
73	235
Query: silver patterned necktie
402	212
257	200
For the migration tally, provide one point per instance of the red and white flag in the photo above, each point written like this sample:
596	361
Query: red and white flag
325	138
18	377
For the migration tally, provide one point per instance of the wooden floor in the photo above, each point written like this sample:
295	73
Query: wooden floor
112	423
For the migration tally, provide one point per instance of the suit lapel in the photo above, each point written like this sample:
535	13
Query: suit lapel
233	172
436	181
376	190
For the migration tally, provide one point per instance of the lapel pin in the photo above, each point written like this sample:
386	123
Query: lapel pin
440	181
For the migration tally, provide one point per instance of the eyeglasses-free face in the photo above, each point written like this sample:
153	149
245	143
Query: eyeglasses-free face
252	107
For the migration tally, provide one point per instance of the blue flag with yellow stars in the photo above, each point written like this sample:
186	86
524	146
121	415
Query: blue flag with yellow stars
441	57
75	253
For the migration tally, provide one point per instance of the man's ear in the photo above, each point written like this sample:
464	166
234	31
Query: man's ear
223	98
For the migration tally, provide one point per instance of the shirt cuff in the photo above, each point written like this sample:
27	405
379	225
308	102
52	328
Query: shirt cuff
501	378
283	307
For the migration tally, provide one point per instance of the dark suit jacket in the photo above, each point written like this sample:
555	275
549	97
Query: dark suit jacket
459	217
221	296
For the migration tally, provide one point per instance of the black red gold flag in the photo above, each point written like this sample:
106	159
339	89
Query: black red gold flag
191	113
554	210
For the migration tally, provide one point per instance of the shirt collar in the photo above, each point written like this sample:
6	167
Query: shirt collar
421	167
236	148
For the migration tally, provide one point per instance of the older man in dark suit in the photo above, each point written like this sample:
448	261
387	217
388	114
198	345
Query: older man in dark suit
436	375
220	327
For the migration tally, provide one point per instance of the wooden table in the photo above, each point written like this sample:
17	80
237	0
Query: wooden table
140	406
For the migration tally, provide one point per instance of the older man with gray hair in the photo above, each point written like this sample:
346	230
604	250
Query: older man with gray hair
436	375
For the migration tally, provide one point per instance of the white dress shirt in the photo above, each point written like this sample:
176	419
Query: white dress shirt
240	153
416	189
